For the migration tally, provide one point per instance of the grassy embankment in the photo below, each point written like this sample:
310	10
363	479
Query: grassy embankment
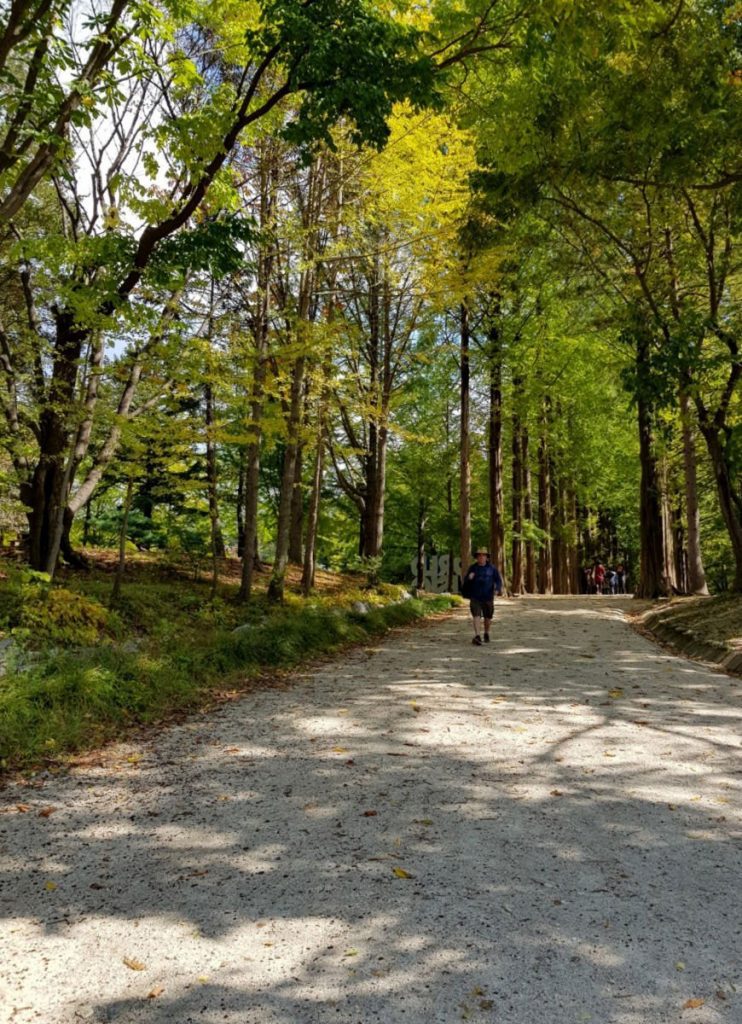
709	628
78	673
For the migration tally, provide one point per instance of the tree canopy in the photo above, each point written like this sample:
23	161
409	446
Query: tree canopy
361	284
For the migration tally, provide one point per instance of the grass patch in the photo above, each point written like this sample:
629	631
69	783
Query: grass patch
84	674
718	619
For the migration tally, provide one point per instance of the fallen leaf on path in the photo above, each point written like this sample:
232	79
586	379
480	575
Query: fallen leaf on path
423	821
351	952
134	965
23	808
401	873
693	1004
615	693
46	811
50	886
231	750
340	750
134	758
370	814
680	966
155	992
609	753
556	792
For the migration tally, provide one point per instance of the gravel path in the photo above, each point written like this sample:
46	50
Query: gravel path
542	831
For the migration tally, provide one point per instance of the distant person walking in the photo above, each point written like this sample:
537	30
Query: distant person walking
599	577
480	583
587	580
620	579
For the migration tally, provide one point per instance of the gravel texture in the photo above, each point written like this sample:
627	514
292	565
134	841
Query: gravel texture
564	800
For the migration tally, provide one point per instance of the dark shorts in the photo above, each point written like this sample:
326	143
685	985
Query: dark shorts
482	609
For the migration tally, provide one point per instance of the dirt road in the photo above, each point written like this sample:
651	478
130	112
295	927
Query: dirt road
544	830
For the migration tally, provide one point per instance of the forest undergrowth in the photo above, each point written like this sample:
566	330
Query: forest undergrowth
77	672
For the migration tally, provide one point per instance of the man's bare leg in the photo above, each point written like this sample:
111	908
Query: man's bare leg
476	622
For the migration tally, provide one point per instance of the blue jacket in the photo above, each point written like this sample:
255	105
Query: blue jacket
486	581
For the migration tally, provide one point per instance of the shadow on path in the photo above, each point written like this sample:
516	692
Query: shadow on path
566	801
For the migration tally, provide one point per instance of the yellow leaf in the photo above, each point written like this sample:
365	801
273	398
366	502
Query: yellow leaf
693	1004
615	693
680	966
134	758
351	952
155	992
50	886
203	978
401	873
134	965
340	750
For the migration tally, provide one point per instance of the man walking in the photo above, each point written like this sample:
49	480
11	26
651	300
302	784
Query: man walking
480	583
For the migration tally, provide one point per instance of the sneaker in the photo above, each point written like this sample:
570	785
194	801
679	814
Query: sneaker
486	638
477	641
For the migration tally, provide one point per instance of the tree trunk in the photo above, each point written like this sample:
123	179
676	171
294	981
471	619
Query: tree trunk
240	504
516	570
465	551
121	565
421	521
310	546
671	582
296	554
729	500
558	535
650	516
495	461
530	574
545	574
261	328
217	537
573	548
449	507
46	494
280	562
696	574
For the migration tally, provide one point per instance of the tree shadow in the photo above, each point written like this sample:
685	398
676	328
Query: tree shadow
572	855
